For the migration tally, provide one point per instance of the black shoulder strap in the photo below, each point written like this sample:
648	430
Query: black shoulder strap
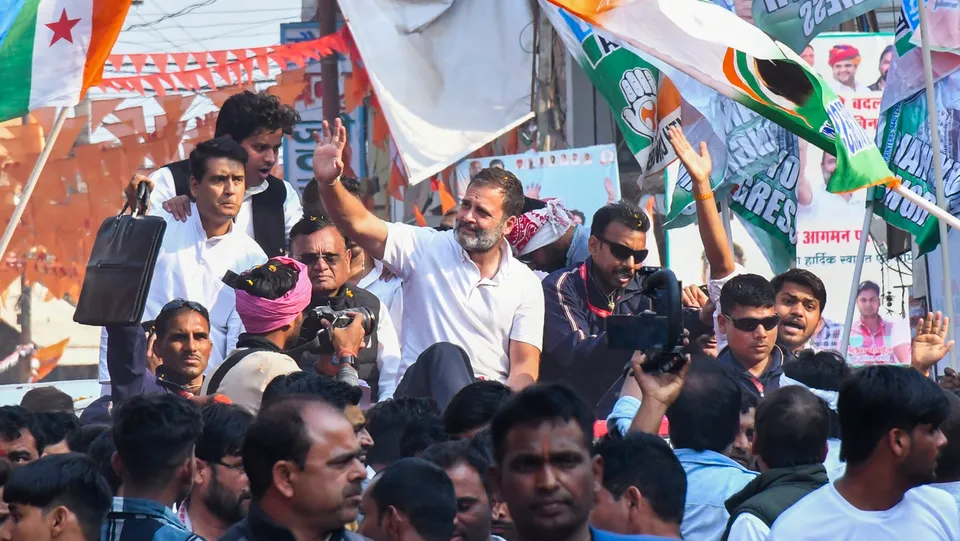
225	367
181	176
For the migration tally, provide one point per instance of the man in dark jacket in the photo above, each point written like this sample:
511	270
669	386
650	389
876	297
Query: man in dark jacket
792	426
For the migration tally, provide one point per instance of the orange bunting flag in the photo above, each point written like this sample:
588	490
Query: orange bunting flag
447	201
421	221
49	357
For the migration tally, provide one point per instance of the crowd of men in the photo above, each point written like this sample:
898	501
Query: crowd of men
323	374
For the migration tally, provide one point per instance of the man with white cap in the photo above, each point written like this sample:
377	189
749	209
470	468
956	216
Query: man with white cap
547	237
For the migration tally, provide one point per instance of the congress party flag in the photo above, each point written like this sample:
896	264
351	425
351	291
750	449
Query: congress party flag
739	61
796	22
943	25
52	51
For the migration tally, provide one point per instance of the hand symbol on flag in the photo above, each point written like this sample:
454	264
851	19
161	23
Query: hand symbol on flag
640	91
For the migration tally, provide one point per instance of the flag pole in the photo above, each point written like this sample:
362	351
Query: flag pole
855	285
937	165
32	182
725	215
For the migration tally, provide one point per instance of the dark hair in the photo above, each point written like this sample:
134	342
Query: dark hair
387	420
79	441
506	182
421	491
474	406
825	370
867	285
56	426
224	427
337	393
539	404
748	401
644	461
802	278
221	147
310	224
621	212
14	420
6	468
948	465
750	290
271	280
71	480
483	441
352	185
579	214
706	415
101	452
44	399
422	434
155	435
245	113
792	426
886	50
449	454
172	309
278	433
878	399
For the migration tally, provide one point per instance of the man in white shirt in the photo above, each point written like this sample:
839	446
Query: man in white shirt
890	423
195	254
270	206
948	464
844	61
461	287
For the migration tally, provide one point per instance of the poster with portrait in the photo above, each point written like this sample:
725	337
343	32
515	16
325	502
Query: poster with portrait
584	179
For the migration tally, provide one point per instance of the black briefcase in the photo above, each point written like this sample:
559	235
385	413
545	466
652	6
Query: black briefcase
121	266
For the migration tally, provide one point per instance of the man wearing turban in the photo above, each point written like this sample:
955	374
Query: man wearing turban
844	61
548	238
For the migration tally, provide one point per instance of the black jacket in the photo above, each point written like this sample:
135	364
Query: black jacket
767	382
773	492
269	223
257	526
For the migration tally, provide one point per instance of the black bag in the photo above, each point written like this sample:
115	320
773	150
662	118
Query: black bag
121	266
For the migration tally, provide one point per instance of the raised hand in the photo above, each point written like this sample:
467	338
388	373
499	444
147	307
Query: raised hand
533	192
663	388
328	156
698	165
930	344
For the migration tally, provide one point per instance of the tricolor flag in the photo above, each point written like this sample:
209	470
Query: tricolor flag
735	58
52	51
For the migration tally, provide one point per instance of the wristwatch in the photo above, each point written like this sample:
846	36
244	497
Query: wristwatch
345	359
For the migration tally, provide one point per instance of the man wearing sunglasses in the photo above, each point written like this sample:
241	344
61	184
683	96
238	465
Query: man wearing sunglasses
317	243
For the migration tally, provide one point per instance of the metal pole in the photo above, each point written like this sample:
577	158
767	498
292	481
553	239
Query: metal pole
937	166
544	80
329	65
32	182
726	216
855	285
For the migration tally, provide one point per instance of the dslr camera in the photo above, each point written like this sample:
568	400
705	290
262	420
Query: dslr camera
340	319
657	331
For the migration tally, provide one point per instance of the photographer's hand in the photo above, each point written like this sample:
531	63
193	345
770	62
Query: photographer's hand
348	340
659	392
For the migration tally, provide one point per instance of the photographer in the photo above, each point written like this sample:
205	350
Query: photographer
271	299
321	247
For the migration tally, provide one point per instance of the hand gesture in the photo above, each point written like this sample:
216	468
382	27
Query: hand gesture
130	190
694	297
930	344
178	207
328	156
698	165
663	388
533	191
640	90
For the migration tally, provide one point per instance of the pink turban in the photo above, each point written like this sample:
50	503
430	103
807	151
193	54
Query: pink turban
260	316
538	228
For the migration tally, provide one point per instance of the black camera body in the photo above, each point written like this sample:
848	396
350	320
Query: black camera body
338	319
657	331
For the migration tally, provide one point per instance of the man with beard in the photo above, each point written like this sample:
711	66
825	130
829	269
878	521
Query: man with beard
545	467
890	424
468	468
221	492
304	464
547	238
886	58
462	289
155	437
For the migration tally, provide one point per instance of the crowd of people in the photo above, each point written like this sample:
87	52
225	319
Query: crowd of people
313	372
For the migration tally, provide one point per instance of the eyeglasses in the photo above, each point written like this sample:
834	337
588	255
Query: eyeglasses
310	258
750	324
624	253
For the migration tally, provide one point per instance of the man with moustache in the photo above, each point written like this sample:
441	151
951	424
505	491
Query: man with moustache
303	460
463	289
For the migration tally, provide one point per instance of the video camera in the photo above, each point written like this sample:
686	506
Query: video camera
658	331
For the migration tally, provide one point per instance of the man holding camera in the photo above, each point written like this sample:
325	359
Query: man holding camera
317	243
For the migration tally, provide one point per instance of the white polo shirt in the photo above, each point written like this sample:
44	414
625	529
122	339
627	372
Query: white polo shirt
191	266
164	190
446	300
390	292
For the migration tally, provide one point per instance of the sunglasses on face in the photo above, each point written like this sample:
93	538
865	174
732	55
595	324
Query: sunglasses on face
311	258
623	253
750	324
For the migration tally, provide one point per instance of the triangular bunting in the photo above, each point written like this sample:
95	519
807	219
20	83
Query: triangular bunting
201	59
248	67
137	84
263	61
160	60
116	60
207	76
154	81
421	221
219	57
138	61
236	69
224	72
182	60
100	109
241	54
188	79
134	116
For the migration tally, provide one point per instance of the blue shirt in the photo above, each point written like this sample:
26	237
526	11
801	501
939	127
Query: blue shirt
134	519
601	535
579	249
712	478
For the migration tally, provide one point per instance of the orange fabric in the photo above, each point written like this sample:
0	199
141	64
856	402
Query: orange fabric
397	181
447	200
100	109
49	357
421	221
134	116
68	135
44	116
108	17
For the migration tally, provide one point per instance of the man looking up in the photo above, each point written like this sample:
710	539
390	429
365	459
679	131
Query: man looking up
547	238
194	256
221	493
493	305
155	437
321	248
890	424
270	206
467	467
302	458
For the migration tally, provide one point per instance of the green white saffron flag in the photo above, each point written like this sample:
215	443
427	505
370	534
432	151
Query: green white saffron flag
797	22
